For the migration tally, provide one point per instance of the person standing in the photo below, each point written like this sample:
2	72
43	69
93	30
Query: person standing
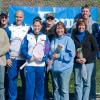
35	48
14	59
84	40
92	27
4	24
62	59
4	48
49	30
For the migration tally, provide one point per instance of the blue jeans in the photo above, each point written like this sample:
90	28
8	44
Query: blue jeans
12	78
82	87
93	83
61	84
2	73
34	83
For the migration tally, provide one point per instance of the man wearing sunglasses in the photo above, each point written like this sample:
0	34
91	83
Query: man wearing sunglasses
49	30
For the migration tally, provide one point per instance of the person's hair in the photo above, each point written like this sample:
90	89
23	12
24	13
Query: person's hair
85	6
37	19
61	24
79	22
19	11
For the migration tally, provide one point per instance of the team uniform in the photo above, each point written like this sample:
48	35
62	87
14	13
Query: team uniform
35	70
16	37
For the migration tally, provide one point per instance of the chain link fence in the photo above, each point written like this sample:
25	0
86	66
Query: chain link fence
4	5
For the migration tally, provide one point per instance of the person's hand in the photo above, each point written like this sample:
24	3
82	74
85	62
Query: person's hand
78	54
9	62
81	60
55	56
49	62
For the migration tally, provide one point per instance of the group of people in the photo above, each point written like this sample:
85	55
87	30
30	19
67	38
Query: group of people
45	48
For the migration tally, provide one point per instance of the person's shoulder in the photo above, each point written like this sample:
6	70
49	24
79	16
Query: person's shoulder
25	25
2	32
68	37
92	21
89	35
11	25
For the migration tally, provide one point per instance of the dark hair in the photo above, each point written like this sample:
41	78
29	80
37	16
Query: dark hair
50	16
61	24
3	15
79	22
85	6
37	18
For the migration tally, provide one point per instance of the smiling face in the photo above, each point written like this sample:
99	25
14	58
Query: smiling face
60	29
19	17
37	27
85	13
81	27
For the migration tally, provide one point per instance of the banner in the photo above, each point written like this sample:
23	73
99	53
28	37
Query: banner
64	14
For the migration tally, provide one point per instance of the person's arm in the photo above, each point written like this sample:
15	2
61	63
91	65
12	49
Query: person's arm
24	49
46	50
94	46
4	42
69	53
8	32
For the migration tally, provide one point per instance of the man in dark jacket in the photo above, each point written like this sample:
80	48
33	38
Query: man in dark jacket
49	30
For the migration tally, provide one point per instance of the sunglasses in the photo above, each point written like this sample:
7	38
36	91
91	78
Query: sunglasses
50	17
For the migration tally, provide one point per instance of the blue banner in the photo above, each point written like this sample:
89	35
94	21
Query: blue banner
64	14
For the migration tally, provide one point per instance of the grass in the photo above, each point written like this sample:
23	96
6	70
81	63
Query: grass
71	82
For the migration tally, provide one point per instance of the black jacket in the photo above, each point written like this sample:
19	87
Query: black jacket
89	46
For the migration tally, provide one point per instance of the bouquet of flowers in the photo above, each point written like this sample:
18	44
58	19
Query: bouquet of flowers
80	56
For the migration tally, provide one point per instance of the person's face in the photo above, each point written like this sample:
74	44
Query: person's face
19	18
50	22
85	13
60	30
81	27
4	21
37	27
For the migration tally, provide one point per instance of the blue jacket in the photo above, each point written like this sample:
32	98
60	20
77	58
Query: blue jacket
29	43
66	53
14	32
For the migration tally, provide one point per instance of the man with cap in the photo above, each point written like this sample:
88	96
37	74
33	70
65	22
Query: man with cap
49	30
4	22
49	25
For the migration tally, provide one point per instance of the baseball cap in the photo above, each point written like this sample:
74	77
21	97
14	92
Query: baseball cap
50	16
3	14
